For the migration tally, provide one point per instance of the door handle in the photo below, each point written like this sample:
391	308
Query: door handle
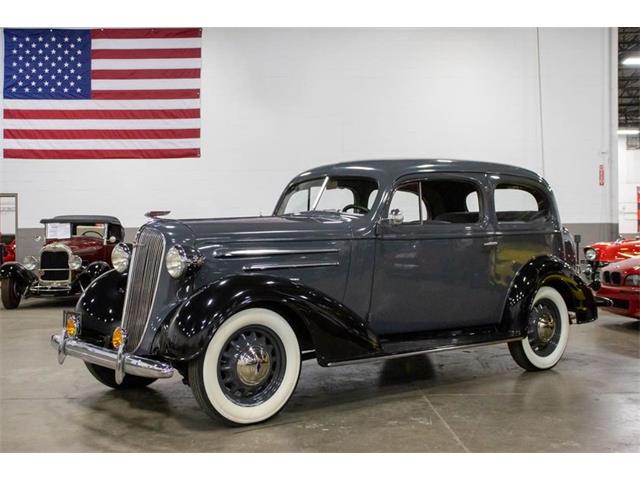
490	244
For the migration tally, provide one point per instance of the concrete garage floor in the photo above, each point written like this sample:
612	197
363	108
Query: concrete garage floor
474	400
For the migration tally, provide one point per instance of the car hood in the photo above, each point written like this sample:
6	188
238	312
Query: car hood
80	246
627	267
616	251
255	229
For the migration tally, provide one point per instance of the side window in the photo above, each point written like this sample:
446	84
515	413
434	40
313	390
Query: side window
451	201
520	204
407	200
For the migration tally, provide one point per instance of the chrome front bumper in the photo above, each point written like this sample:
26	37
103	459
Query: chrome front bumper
122	363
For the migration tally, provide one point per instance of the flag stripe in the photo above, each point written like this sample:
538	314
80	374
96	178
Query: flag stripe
144	94
147	84
101	154
146	63
99	54
100	114
102	124
121	44
100	144
101	104
148	74
102	134
146	33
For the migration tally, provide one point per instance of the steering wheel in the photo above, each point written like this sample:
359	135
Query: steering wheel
93	232
354	207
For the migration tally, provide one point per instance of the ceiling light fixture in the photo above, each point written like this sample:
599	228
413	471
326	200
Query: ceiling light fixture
628	131
631	61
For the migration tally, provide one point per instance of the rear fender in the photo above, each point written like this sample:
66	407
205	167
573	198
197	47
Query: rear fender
334	331
553	272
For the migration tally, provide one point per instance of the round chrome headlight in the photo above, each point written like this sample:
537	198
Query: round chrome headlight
120	256
75	262
181	259
176	262
590	254
30	262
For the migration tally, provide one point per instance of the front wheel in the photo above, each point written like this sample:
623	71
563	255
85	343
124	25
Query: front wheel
10	294
547	332
107	377
249	370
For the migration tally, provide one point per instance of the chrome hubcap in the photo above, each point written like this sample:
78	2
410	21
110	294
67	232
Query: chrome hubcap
546	328
253	365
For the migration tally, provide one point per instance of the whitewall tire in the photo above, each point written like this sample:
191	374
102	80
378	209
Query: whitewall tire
547	332
250	368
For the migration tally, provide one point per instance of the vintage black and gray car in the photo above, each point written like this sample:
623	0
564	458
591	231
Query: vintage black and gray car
77	249
360	261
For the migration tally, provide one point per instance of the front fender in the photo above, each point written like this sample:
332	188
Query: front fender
101	304
553	272
337	333
93	271
18	273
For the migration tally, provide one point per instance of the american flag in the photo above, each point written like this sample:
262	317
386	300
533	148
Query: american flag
102	94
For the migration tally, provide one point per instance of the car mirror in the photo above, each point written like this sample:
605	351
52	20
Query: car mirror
396	217
37	238
112	239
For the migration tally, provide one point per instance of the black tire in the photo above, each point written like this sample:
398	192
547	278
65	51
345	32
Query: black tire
107	377
534	352
10	294
249	369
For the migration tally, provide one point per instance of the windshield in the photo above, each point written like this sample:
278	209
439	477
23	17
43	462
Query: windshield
59	231
353	195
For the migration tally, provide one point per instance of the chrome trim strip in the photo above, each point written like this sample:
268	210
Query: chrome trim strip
262	252
418	352
132	364
281	266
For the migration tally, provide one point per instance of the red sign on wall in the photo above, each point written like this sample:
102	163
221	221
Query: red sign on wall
638	204
601	175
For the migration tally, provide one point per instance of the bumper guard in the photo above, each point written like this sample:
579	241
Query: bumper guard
119	361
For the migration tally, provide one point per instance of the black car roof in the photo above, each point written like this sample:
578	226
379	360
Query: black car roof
389	170
82	219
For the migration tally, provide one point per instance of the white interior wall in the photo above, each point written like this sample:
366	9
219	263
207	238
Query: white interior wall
629	168
277	101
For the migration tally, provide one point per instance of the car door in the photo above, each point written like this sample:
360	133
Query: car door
526	226
432	270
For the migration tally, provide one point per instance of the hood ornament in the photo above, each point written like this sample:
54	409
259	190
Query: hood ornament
157	213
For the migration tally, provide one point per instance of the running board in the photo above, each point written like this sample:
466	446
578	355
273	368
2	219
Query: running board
416	347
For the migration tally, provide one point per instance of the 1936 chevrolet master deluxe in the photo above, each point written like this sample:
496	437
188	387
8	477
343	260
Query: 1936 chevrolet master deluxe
359	261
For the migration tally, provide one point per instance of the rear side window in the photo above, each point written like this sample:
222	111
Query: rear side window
520	204
438	202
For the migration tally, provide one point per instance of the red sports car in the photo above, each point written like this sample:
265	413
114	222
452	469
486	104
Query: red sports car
620	282
601	254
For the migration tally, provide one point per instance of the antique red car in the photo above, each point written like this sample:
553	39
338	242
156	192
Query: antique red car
8	251
620	282
77	249
601	254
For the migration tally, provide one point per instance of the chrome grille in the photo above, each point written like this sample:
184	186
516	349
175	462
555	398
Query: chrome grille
144	272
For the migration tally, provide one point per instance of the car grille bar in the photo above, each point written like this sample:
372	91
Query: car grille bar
144	273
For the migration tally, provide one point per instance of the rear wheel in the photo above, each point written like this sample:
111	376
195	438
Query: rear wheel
10	294
547	332
250	368
107	377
